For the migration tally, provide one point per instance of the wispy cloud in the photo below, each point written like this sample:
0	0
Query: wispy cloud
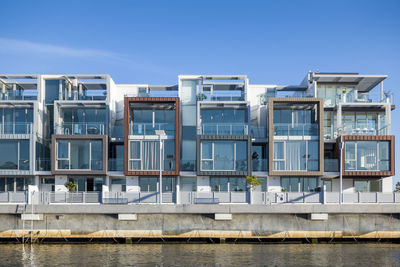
21	46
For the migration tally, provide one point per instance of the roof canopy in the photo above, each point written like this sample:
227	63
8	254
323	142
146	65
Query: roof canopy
361	82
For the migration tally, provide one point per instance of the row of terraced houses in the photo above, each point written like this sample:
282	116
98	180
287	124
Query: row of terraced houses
206	133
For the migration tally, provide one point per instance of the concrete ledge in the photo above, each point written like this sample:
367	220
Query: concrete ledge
223	217
318	216
32	217
127	217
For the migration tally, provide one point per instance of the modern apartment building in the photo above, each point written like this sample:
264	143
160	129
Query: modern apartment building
207	133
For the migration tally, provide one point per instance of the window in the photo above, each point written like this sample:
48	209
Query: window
17	156
223	155
299	184
79	155
364	156
223	121
259	157
225	184
15	184
88	184
367	185
296	155
145	155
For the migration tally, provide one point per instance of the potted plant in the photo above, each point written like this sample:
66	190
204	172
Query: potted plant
71	186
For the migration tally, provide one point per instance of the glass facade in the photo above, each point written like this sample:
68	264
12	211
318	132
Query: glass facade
151	184
299	184
225	121
82	121
88	184
228	184
17	156
296	156
367	156
79	155
224	155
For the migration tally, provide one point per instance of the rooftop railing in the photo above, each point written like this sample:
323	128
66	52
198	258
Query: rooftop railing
300	129
365	98
19	95
221	96
16	128
224	129
96	128
150	128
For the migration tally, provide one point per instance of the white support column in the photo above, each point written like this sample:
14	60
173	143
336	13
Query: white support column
178	186
339	117
60	183
388	118
132	184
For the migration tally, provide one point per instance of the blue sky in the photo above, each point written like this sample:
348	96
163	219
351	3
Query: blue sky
154	41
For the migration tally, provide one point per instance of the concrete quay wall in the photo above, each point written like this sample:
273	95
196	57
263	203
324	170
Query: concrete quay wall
233	223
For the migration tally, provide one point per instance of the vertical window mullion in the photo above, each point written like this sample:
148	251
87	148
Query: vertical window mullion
69	155
90	155
18	153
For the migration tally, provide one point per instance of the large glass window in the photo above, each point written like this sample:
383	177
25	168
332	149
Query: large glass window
296	155
226	184
364	156
299	184
15	184
259	157
223	155
146	118
79	154
368	185
296	122
16	156
148	184
88	184
223	121
16	121
145	155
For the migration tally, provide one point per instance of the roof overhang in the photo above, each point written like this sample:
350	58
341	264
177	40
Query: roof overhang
361	82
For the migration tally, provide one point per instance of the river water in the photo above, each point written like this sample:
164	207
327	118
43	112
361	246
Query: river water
194	255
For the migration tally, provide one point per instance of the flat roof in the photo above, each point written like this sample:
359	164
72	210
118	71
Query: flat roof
362	82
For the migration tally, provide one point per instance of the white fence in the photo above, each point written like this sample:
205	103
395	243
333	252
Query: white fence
187	197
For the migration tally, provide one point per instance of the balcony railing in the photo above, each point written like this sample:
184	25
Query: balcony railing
355	130
331	165
188	165
221	96
116	164
99	96
224	129
365	98
258	132
150	128
96	128
16	128
260	165
301	129
18	95
43	164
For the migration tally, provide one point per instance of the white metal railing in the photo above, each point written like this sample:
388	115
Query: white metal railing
188	197
16	128
96	128
224	129
13	197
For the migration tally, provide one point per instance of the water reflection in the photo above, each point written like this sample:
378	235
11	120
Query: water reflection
200	255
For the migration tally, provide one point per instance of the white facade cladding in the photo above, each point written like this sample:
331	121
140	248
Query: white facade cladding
217	130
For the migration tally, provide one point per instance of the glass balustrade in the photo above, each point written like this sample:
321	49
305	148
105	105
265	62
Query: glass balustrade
95	128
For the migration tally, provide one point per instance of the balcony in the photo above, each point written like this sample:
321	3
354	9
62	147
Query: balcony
223	129
331	165
301	129
19	95
258	132
116	165
150	128
221	96
260	165
359	130
16	128
188	165
89	128
365	98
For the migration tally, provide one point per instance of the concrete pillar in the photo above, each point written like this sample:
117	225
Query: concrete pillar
59	185
132	184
